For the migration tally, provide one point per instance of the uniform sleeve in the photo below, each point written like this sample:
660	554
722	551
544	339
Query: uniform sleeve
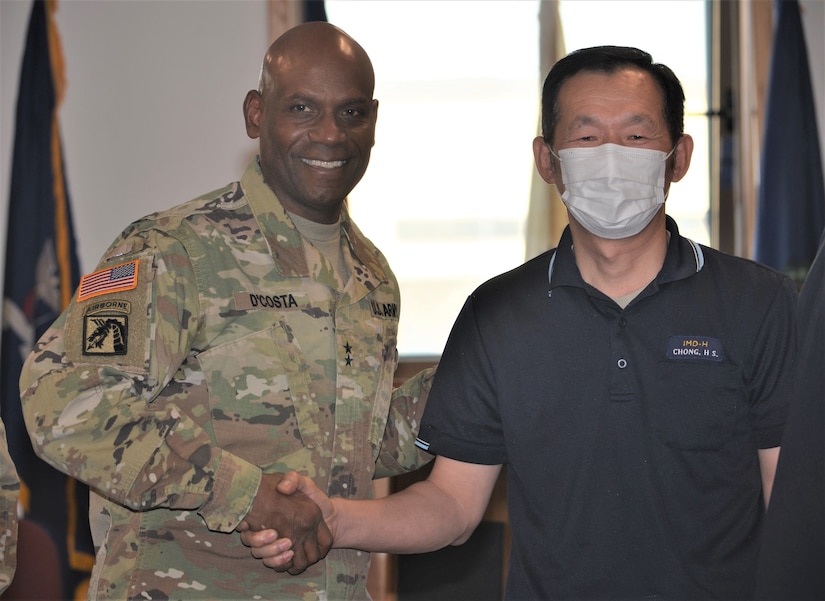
399	454
91	390
9	491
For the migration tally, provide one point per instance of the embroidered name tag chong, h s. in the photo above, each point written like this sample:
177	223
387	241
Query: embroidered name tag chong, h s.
112	279
694	348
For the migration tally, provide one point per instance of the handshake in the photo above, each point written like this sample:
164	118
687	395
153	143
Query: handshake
292	524
288	524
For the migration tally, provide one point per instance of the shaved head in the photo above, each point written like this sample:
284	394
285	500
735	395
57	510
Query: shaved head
315	115
312	42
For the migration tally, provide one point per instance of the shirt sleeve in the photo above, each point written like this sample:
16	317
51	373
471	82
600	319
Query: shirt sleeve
91	391
462	420
773	365
399	454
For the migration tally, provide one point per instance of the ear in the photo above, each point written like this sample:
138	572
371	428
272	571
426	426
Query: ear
545	161
682	155
252	108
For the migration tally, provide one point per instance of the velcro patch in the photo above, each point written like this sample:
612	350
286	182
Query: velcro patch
694	348
384	310
106	281
246	301
106	328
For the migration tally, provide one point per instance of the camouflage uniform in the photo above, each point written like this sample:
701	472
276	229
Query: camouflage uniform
9	491
180	373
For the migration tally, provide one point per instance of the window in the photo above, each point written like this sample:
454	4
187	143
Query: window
458	82
445	196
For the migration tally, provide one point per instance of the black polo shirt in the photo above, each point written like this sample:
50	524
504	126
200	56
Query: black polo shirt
630	436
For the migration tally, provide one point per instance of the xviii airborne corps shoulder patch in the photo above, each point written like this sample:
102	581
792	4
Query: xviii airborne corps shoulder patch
106	328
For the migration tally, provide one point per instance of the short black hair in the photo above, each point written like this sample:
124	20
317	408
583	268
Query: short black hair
608	60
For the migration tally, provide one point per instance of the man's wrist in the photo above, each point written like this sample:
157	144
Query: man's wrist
236	485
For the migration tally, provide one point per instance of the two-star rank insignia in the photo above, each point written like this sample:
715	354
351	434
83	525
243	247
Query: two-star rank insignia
348	357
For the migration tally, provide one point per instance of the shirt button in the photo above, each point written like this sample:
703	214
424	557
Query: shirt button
622	322
621	363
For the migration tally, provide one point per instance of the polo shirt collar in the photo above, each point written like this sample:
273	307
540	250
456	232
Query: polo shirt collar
684	258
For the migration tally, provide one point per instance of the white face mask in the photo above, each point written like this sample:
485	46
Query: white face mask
613	191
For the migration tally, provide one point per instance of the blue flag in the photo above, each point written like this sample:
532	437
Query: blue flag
791	203
41	274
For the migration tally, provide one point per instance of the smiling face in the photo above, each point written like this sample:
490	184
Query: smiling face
315	117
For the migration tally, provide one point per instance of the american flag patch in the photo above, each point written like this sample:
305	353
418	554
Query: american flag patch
114	279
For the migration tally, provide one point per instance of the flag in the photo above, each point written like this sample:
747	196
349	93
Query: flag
41	274
114	279
791	199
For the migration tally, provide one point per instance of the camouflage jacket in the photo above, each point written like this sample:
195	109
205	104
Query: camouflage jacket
181	372
9	491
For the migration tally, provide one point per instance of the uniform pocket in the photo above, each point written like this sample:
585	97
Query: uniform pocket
252	396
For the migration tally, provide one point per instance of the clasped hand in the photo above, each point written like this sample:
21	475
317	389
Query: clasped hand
285	527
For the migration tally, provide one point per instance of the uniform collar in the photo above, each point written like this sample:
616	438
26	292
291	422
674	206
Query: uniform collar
683	259
285	243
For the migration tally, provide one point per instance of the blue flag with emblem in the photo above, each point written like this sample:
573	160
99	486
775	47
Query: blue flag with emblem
791	203
41	274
